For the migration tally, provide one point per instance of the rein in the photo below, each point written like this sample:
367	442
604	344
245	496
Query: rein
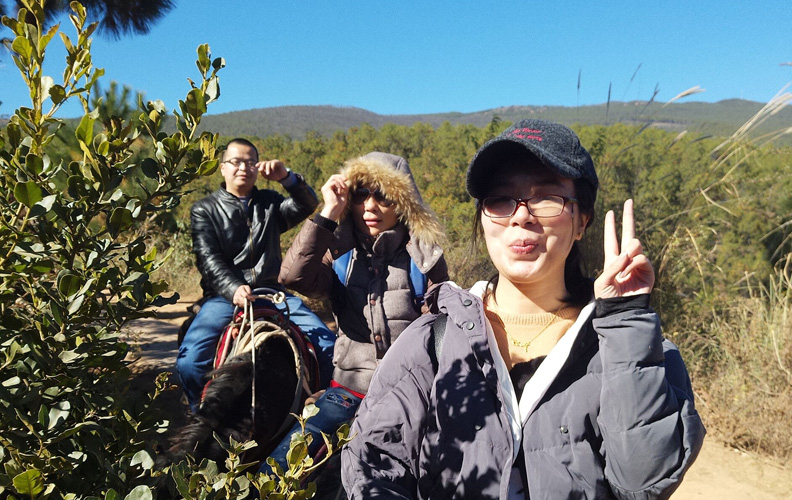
252	333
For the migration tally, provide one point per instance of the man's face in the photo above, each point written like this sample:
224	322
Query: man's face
239	169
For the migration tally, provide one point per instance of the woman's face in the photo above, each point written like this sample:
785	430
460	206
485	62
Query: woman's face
372	217
529	250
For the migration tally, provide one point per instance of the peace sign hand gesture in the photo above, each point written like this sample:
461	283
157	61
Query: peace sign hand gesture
628	272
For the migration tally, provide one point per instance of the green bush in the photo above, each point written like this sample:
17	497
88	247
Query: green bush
74	267
206	481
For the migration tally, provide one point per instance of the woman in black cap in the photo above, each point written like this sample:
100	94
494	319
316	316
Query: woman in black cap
542	383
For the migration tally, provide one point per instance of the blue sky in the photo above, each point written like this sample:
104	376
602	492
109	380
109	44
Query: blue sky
405	57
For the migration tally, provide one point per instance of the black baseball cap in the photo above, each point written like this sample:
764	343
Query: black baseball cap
553	144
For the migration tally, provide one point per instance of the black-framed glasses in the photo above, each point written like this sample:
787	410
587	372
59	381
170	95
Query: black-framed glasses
544	205
240	163
360	194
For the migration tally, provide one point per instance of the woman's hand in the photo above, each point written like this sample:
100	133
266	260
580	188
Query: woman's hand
335	193
626	272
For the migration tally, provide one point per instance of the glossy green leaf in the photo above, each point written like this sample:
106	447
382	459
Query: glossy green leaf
14	134
57	313
85	129
76	185
112	495
76	304
158	106
140	492
68	356
203	58
11	352
59	413
196	103
28	193
120	219
57	93
68	283
43	206
42	416
45	39
142	458
212	91
46	84
21	46
208	167
150	168
30	482
103	148
66	42
34	163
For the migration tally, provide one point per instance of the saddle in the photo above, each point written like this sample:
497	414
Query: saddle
252	328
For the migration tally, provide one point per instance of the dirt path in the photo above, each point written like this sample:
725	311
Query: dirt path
719	472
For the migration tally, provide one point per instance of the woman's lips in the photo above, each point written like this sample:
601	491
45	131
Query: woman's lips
373	222
522	246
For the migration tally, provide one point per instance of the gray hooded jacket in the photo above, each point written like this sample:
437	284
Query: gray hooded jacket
617	420
376	304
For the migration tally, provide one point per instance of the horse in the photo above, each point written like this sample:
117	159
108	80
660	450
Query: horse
264	369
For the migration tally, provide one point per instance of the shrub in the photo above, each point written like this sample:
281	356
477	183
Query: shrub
74	269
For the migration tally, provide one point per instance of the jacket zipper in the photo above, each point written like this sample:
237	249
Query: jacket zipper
249	218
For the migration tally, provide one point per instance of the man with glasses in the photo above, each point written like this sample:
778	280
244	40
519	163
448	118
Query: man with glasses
236	239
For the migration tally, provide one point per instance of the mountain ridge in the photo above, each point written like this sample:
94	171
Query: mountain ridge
720	118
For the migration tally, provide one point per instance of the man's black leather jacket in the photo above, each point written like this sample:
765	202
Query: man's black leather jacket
237	245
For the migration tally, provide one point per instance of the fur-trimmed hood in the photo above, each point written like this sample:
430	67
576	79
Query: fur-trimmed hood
391	174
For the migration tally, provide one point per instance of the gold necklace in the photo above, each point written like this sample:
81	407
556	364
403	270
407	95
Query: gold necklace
526	345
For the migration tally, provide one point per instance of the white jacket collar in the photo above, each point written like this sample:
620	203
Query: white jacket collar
537	386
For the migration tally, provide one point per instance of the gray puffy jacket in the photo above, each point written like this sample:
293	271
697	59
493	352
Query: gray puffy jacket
617	421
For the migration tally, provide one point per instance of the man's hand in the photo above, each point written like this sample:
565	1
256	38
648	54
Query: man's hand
628	272
335	193
273	170
242	293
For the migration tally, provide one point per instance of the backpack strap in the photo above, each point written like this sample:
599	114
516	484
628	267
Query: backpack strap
343	266
418	282
438	333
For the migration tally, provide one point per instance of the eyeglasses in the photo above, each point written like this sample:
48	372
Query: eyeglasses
238	163
360	194
496	207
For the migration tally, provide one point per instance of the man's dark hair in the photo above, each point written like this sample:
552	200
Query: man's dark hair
239	141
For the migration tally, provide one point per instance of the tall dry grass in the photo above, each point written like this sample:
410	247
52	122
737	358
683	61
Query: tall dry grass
742	367
736	337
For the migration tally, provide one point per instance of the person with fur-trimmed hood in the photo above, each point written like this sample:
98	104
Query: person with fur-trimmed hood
372	208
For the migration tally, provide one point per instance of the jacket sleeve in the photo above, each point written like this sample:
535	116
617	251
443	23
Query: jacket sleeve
307	266
381	461
223	278
299	205
650	428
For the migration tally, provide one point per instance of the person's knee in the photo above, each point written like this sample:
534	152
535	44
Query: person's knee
188	369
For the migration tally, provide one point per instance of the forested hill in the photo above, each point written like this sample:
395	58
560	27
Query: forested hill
718	119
